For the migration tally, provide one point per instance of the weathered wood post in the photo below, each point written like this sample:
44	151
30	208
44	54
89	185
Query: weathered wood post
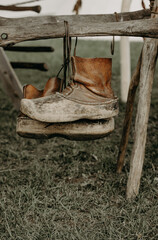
128	115
149	56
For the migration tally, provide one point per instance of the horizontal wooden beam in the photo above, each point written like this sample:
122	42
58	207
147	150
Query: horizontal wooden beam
32	28
28	65
29	49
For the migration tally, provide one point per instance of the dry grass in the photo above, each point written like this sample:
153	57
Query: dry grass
59	189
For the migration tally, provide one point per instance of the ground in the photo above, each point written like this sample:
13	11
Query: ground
61	189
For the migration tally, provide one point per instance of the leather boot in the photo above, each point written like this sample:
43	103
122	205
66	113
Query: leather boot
52	86
89	96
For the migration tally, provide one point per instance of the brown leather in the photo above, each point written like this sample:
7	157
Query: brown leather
94	74
30	92
52	86
91	80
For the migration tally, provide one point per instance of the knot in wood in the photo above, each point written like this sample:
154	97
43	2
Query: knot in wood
4	36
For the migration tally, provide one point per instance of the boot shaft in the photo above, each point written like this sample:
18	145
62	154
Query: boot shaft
94	74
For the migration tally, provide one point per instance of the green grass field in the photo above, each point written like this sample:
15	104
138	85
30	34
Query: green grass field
59	189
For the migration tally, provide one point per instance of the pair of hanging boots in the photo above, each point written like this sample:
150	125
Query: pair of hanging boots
83	110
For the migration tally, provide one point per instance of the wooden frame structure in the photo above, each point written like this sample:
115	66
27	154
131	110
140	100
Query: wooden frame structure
142	23
8	77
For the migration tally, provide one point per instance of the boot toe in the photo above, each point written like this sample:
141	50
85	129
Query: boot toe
27	107
57	108
45	109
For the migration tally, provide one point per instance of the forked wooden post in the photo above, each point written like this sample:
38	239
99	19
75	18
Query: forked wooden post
149	56
12	86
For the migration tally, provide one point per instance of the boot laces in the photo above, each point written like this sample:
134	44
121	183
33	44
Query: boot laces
69	88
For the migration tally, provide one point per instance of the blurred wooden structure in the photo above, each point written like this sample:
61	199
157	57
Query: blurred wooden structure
10	81
8	77
14	8
30	65
29	49
141	23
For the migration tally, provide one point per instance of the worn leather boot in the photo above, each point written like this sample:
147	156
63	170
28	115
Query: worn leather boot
52	86
89	96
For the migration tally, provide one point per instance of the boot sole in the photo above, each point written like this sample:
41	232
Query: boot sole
80	130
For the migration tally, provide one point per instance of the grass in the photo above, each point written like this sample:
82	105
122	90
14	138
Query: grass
61	189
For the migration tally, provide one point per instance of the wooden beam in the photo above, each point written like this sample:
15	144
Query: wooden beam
31	28
29	49
28	65
36	9
10	81
149	57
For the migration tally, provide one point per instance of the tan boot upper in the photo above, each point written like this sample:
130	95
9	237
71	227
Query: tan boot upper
94	74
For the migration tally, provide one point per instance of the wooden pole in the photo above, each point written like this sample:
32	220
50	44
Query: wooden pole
149	56
29	49
10	81
125	58
64	62
28	65
128	115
